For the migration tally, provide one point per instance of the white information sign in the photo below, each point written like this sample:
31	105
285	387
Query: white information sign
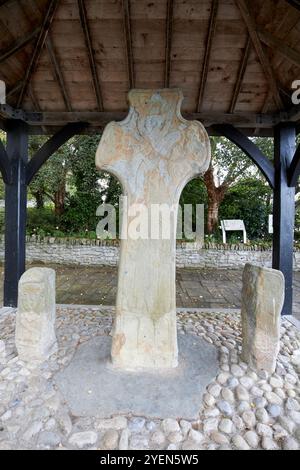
233	225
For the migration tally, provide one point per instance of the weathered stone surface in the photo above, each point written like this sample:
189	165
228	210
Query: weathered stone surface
262	301
35	333
154	152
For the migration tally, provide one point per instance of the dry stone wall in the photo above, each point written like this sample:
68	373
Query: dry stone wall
106	252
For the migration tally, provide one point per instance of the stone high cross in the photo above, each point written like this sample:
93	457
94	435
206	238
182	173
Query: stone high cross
154	152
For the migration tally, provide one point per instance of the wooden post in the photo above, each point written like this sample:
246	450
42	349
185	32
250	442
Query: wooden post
284	209
15	210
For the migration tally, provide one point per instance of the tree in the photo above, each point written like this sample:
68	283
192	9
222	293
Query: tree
228	165
51	179
250	200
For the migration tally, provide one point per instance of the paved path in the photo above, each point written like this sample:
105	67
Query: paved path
204	288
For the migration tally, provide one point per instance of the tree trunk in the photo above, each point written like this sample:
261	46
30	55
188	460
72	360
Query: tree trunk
59	200
39	199
215	197
212	215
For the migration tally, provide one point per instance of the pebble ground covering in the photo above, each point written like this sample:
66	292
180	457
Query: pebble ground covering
241	409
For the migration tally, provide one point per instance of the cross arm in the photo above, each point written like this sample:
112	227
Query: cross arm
4	164
294	169
51	146
249	148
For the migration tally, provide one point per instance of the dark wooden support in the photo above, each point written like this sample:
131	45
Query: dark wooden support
169	27
208	46
294	3
249	148
90	50
53	144
128	42
294	169
5	2
19	44
58	73
17	173
15	210
38	48
284	209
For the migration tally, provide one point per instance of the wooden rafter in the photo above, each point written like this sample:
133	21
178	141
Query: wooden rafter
208	46
241	74
91	57
128	42
35	103
4	2
38	48
294	3
19	44
264	60
279	46
11	91
169	27
58	73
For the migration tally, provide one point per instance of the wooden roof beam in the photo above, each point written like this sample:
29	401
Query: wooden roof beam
278	44
59	118
209	40
264	60
19	44
38	48
294	3
169	27
240	77
12	90
90	50
128	42
58	74
4	2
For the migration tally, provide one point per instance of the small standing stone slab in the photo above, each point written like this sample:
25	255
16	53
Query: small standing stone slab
262	301
35	333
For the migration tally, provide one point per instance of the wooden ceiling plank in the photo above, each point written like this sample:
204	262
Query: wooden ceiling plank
128	42
279	46
169	27
38	48
58	73
91	56
264	60
241	74
209	41
19	44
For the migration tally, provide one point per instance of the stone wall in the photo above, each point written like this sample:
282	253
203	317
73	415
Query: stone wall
99	252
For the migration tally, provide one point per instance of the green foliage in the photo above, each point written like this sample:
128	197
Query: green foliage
42	222
248	200
71	171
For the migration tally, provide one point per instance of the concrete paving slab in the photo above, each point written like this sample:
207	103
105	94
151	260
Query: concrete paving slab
92	387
